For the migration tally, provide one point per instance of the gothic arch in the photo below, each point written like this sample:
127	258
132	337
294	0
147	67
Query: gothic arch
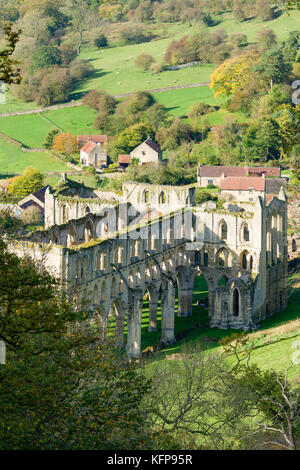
72	237
162	199
64	213
145	196
245	232
223	230
89	231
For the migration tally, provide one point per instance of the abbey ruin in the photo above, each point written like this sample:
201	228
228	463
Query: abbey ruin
111	251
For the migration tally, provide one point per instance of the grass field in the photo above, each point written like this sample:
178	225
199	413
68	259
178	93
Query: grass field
14	161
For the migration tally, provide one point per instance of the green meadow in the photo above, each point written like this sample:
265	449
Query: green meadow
14	161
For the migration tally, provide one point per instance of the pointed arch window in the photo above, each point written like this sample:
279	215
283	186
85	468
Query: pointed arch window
246	233
224	231
236	302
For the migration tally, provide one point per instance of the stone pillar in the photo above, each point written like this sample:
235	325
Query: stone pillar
134	324
185	294
167	312
185	301
119	330
152	315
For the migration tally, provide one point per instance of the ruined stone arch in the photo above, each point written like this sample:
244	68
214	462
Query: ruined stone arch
103	291
103	260
148	273
138	277
72	237
162	199
131	279
245	232
145	196
294	245
223	230
244	261
96	297
120	254
236	302
64	213
87	210
223	258
114	290
89	231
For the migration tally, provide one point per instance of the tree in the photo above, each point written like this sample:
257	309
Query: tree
132	136
143	61
293	4
272	67
233	74
9	68
76	10
156	116
266	38
44	56
50	137
30	181
101	41
262	139
55	87
65	143
169	138
62	387
239	39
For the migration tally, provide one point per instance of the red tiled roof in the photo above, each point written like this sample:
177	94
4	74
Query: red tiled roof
88	147
259	171
269	198
124	159
243	184
218	171
98	139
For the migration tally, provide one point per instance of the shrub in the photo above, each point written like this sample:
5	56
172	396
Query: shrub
80	69
143	61
65	143
30	181
101	41
156	67
55	87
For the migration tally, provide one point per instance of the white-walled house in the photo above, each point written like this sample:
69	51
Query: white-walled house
147	152
92	154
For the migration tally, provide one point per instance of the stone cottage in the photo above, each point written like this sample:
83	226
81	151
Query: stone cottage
147	152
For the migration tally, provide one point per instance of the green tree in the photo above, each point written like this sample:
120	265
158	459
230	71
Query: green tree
30	181
50	137
62	387
45	56
101	41
143	61
132	136
272	67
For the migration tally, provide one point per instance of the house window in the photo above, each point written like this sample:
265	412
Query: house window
210	181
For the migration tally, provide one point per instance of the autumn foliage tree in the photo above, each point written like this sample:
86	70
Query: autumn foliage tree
65	143
30	181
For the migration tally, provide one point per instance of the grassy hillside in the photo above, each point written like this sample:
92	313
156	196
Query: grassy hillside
116	73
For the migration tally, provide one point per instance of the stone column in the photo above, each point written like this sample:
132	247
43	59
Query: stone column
134	324
152	315
185	301
167	312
